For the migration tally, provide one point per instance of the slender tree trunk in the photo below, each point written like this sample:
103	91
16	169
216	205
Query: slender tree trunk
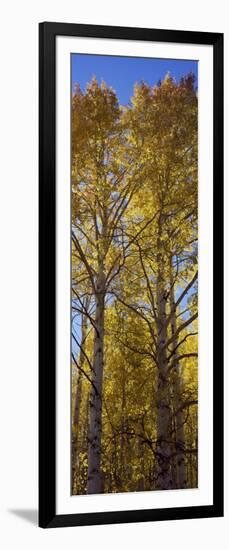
173	444
77	407
196	446
78	399
75	439
140	454
164	476
123	427
163	448
94	483
177	386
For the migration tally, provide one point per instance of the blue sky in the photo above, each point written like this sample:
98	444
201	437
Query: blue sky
122	72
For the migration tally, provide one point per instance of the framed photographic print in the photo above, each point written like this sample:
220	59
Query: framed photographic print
131	275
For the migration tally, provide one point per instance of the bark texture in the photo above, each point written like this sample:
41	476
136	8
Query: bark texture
95	482
78	399
163	447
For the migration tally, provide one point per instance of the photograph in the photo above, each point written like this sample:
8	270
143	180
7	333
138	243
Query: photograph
134	274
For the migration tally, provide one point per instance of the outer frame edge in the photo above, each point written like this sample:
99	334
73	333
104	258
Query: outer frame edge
47	517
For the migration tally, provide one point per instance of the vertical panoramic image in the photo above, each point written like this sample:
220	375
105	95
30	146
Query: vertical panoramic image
134	205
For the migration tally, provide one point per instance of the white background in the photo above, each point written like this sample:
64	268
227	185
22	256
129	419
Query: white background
18	285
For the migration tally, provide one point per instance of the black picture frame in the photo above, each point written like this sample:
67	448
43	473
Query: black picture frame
47	274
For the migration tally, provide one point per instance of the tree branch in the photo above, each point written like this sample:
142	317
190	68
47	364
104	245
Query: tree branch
182	327
85	374
83	351
84	259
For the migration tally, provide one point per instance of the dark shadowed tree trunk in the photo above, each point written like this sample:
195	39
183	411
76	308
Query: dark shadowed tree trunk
78	399
163	447
123	427
75	439
177	385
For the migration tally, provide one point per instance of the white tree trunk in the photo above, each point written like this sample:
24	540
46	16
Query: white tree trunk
163	448
94	483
